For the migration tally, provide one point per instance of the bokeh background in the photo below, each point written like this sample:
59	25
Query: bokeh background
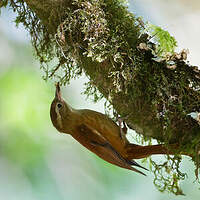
38	163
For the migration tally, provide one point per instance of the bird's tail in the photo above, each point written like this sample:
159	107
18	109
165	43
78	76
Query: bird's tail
136	151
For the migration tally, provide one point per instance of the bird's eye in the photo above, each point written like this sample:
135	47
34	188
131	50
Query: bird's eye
59	105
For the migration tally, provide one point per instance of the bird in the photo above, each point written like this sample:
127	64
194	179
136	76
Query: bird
100	134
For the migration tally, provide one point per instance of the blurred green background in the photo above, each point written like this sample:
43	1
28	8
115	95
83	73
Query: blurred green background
37	162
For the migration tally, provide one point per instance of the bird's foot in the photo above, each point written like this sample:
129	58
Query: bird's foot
123	130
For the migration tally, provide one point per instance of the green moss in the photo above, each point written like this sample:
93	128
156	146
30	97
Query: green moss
164	41
168	175
3	3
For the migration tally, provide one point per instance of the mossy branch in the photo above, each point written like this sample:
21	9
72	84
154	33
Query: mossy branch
136	70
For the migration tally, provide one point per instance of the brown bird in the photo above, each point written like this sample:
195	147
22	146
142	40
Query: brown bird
100	134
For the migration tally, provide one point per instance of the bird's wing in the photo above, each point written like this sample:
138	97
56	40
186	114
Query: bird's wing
96	143
105	127
101	122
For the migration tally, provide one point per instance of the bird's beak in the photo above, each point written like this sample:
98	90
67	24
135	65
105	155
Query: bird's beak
58	92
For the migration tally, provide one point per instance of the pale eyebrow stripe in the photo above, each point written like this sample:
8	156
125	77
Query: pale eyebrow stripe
59	119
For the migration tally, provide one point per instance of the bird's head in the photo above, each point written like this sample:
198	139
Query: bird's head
59	110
